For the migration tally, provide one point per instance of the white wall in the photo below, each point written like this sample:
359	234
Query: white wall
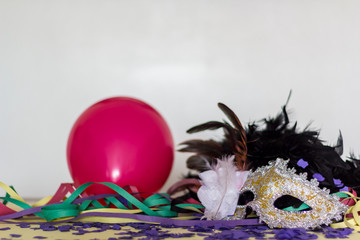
59	57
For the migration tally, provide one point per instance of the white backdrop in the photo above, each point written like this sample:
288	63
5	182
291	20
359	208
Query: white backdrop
182	57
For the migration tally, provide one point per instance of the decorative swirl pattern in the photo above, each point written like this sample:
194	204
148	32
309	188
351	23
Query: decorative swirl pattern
271	182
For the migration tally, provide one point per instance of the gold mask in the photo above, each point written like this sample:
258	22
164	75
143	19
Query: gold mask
271	182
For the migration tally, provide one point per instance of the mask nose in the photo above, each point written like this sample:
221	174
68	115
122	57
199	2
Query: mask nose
242	211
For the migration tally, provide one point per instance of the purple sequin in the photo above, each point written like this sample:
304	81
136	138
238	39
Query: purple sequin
338	183
230	234
330	232
319	177
24	225
64	228
116	227
152	232
200	228
302	163
48	227
15	235
219	226
295	233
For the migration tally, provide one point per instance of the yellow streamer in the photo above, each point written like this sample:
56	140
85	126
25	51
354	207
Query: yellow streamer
44	201
350	222
11	192
16	196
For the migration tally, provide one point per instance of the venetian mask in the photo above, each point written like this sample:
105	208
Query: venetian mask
275	182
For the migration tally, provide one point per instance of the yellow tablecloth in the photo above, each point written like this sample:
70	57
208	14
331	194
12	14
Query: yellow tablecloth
13	231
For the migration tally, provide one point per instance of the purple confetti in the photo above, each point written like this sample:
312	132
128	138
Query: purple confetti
64	228
156	231
346	231
200	228
330	232
219	226
285	234
240	234
229	234
181	235
5	228
312	236
305	237
121	233
78	224
116	227
319	177
262	227
167	225
152	232
15	235
24	225
302	163
338	183
331	235
294	233
87	225
201	234
50	229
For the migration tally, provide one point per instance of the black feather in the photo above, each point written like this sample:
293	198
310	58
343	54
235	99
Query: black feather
339	149
272	138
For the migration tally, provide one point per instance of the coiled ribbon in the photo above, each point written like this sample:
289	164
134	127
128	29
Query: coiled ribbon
53	209
351	216
121	207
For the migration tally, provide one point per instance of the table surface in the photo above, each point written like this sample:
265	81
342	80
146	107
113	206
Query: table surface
141	230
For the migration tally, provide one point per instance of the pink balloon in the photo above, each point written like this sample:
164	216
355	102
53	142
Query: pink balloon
120	140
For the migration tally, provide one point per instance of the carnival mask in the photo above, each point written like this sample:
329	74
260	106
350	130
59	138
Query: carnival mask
273	182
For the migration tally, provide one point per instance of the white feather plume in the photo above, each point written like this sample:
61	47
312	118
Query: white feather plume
220	188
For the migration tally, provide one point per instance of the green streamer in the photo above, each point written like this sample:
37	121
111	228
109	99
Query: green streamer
160	203
61	210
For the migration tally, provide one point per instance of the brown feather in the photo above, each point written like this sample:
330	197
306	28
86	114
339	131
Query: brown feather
200	162
207	151
208	147
239	145
212	125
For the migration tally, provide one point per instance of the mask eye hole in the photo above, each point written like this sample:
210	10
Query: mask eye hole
246	197
290	203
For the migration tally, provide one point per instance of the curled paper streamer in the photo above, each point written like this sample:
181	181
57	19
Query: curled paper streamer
55	210
89	209
351	216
